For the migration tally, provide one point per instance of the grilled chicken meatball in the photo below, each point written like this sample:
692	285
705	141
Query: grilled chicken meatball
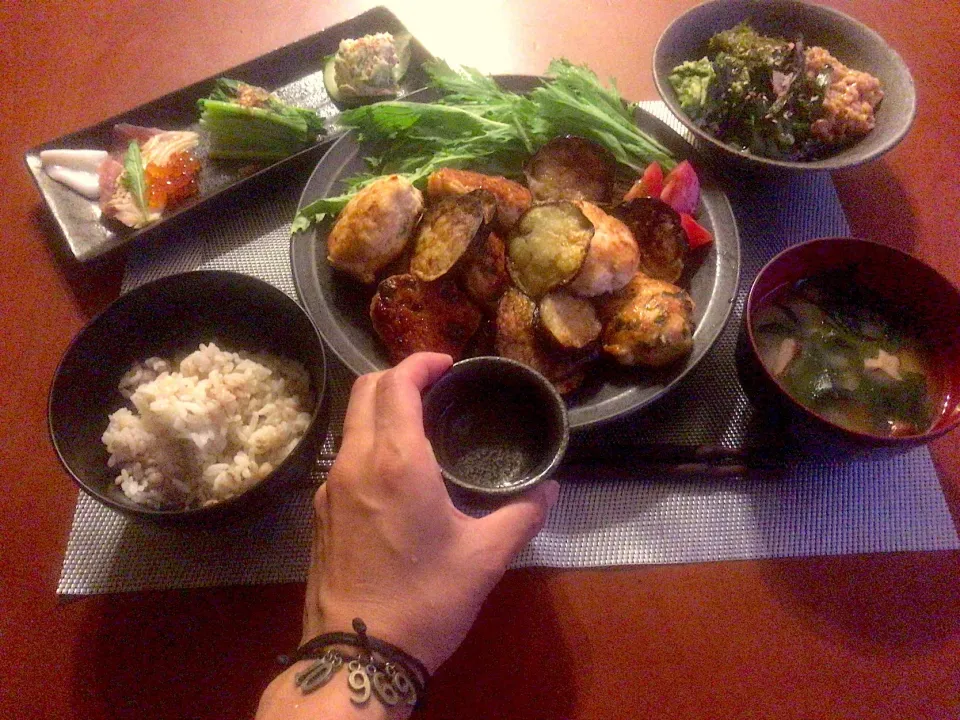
613	256
648	322
411	315
513	199
374	227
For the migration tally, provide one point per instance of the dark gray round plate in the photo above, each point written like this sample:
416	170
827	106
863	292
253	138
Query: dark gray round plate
339	305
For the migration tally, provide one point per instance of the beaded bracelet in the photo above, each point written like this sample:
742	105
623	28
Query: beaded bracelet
378	668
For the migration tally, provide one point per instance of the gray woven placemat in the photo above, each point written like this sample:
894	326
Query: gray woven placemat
872	504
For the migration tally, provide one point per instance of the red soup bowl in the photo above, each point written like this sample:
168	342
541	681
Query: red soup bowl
931	301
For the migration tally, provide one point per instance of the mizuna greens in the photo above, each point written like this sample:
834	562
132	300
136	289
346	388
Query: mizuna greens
478	125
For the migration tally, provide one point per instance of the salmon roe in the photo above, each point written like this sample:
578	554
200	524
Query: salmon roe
170	184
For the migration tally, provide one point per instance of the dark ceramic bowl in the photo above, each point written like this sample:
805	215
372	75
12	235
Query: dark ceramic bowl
164	318
932	302
497	427
850	41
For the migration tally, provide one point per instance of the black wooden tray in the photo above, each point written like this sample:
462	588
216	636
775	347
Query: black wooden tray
294	72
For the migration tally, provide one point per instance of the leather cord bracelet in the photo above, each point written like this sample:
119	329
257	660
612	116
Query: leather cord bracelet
377	668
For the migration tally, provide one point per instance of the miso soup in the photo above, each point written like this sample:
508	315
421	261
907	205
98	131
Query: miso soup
848	354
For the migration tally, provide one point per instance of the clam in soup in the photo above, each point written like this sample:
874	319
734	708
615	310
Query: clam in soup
848	354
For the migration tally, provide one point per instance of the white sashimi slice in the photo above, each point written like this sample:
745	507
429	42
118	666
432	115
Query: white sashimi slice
81	160
85	183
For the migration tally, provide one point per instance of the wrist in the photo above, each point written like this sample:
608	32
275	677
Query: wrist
392	628
284	700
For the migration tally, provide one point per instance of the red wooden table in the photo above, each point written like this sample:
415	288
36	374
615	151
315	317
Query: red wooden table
852	636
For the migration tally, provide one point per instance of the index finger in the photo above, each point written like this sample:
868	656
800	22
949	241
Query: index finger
399	406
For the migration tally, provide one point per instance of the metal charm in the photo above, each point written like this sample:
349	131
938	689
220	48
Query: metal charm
359	682
319	673
401	683
384	689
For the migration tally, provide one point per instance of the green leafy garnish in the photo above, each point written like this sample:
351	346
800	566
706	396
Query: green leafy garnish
261	128
478	125
135	176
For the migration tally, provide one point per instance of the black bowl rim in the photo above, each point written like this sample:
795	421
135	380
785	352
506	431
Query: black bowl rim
472	364
829	163
752	300
190	513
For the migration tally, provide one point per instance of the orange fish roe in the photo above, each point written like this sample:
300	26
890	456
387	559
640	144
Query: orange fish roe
170	184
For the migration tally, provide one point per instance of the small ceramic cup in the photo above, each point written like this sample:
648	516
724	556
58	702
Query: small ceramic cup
497	427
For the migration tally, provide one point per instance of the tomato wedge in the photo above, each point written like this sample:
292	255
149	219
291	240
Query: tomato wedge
681	188
650	183
697	234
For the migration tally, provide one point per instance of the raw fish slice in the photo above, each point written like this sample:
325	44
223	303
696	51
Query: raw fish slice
128	132
109	172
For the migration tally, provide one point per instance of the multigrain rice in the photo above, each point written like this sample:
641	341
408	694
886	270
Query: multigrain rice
207	429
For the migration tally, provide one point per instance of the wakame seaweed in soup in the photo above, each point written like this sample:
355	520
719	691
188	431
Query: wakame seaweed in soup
848	354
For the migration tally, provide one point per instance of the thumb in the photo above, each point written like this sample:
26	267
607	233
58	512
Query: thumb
507	530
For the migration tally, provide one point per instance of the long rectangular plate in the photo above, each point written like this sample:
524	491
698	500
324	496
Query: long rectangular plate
293	72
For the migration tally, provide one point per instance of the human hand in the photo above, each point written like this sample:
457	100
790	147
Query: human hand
389	545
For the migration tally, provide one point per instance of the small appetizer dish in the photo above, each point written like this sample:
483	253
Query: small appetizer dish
154	170
191	398
367	69
784	84
859	338
232	130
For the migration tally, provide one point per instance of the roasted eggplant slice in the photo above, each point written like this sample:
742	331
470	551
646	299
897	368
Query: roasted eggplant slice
613	257
649	322
570	321
485	277
446	232
410	315
374	227
571	168
659	235
519	338
513	199
548	247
